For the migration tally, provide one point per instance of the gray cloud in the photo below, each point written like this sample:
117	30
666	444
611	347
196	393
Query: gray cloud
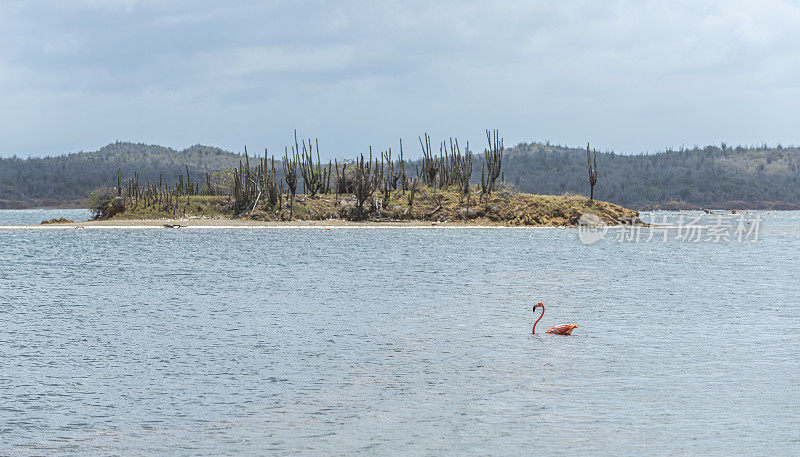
630	76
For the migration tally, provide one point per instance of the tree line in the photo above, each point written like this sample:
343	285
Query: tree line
700	176
73	176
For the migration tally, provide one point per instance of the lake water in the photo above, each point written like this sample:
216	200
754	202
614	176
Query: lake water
361	341
36	216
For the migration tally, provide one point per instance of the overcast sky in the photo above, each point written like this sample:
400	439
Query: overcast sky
629	76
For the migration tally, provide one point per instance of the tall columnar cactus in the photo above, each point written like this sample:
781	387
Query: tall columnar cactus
591	162
343	183
484	189
402	167
189	190
430	166
412	190
444	169
290	176
364	180
493	159
463	169
316	178
209	186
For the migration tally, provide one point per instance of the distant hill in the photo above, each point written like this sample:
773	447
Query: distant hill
706	177
74	176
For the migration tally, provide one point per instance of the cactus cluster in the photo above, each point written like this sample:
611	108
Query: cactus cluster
369	179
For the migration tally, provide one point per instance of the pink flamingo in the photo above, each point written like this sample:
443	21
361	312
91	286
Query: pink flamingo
563	329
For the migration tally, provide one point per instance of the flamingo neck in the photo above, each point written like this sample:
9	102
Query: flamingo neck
537	321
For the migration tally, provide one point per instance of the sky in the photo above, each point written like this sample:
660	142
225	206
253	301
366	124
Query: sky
629	76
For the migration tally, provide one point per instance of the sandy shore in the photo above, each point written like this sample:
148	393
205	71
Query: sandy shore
198	223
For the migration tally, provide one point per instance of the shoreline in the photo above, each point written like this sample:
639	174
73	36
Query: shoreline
251	224
431	209
212	224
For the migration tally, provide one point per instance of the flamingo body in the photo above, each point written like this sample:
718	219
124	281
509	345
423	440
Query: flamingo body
563	329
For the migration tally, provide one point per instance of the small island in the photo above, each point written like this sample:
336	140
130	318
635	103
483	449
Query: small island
300	189
503	208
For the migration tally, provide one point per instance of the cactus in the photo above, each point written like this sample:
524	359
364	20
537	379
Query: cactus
493	159
592	171
402	169
364	181
316	178
430	166
290	176
412	190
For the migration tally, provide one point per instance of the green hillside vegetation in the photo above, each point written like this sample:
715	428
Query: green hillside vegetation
700	176
74	176
706	177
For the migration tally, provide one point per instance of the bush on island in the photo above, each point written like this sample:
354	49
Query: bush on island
105	203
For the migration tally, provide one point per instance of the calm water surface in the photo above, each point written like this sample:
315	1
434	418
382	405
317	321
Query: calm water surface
36	216
396	342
